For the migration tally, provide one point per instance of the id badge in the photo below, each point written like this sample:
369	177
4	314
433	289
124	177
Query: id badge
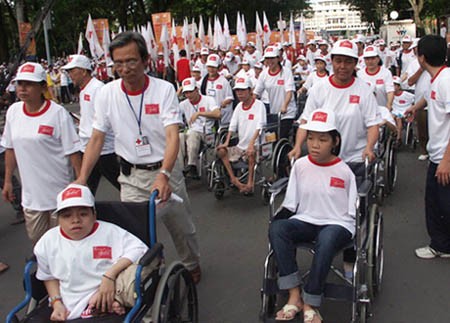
211	92
143	147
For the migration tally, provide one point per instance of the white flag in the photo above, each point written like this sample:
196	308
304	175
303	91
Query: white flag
192	31
219	39
185	34
151	42
80	44
175	50
106	42
244	30
164	39
266	30
292	32
259	34
201	31
210	34
281	26
302	34
94	44
226	34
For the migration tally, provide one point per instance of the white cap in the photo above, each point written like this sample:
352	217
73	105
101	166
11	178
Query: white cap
359	39
32	72
160	53
244	62
397	80
204	51
251	44
258	65
189	84
371	51
320	57
322	42
311	42
228	57
74	195
345	47
79	61
301	58
285	44
242	84
196	68
213	60
271	52
407	39
321	121
415	43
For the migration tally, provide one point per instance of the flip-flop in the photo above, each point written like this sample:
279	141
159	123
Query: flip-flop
310	315
288	312
3	267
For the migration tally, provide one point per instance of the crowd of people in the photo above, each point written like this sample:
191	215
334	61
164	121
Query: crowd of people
128	132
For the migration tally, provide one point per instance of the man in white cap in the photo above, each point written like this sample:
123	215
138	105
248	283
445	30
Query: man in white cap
232	62
252	55
405	56
249	117
199	111
311	52
201	61
80	69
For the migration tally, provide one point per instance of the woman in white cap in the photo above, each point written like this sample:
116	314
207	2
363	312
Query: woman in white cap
279	84
40	139
378	77
318	75
320	202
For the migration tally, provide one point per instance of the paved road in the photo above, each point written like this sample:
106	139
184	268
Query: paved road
233	240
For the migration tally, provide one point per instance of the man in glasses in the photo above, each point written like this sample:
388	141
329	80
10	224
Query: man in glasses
144	115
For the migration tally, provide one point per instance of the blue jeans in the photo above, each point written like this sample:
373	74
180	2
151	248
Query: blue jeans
284	236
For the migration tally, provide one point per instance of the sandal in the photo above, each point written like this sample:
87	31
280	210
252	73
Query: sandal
312	316
288	312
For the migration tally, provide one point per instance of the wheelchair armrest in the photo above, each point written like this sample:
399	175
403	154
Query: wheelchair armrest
364	188
150	255
279	185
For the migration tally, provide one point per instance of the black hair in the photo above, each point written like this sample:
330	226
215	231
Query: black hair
336	138
126	38
433	48
183	53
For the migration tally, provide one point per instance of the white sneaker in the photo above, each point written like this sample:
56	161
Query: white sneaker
429	253
423	157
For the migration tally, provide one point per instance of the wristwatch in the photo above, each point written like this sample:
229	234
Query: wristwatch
165	172
52	300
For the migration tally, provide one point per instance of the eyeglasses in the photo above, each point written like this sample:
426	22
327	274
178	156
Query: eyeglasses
131	63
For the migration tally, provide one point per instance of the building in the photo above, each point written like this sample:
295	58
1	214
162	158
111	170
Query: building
334	17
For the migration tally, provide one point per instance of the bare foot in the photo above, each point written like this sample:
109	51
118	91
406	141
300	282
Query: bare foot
247	188
118	308
237	183
3	267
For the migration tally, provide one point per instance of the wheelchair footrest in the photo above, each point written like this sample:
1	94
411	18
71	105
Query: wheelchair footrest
270	286
338	292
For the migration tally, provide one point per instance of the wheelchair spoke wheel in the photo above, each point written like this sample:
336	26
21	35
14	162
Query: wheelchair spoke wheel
269	289
219	190
375	253
280	162
176	297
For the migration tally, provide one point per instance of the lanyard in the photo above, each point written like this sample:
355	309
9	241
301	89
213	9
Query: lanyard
138	120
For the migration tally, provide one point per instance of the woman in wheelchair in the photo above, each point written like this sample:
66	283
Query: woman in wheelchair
86	265
321	202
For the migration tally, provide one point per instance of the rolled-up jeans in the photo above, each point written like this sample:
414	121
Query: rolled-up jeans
286	234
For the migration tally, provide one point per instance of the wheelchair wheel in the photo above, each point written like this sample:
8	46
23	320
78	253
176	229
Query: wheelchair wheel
219	190
410	140
391	166
362	309
265	195
280	161
269	289
375	252
176	297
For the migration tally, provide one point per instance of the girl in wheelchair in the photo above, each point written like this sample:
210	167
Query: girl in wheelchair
321	202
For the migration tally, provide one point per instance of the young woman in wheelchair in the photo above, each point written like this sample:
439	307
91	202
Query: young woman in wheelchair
86	265
321	202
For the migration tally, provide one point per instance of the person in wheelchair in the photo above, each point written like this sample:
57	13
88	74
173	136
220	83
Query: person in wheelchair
248	118
320	207
86	265
200	111
402	101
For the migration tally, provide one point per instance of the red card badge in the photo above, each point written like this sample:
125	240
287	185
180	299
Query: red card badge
27	69
152	109
73	192
202	109
102	252
402	101
337	182
354	99
280	82
45	130
251	116
380	82
433	95
320	116
219	86
87	97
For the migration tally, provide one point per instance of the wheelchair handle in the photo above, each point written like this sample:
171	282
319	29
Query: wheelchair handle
152	217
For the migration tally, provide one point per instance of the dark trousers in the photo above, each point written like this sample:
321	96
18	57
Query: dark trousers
285	128
108	166
17	189
437	211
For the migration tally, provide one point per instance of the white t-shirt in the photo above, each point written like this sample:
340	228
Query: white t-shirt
402	102
247	121
322	194
253	58
233	65
250	74
78	265
310	56
355	108
361	63
64	79
277	85
202	66
205	104
160	109
314	78
407	57
42	143
382	82
220	90
422	83
438	99
224	72
87	111
304	71
386	115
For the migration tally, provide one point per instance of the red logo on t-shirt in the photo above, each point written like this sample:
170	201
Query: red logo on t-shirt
219	86
251	116
202	109
102	252
152	109
46	130
73	192
87	97
402	101
433	95
320	116
380	82
337	182
354	99
280	82
27	69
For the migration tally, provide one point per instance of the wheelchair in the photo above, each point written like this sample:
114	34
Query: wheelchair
362	289
168	293
271	162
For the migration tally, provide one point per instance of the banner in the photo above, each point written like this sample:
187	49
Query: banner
99	26
160	19
24	29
